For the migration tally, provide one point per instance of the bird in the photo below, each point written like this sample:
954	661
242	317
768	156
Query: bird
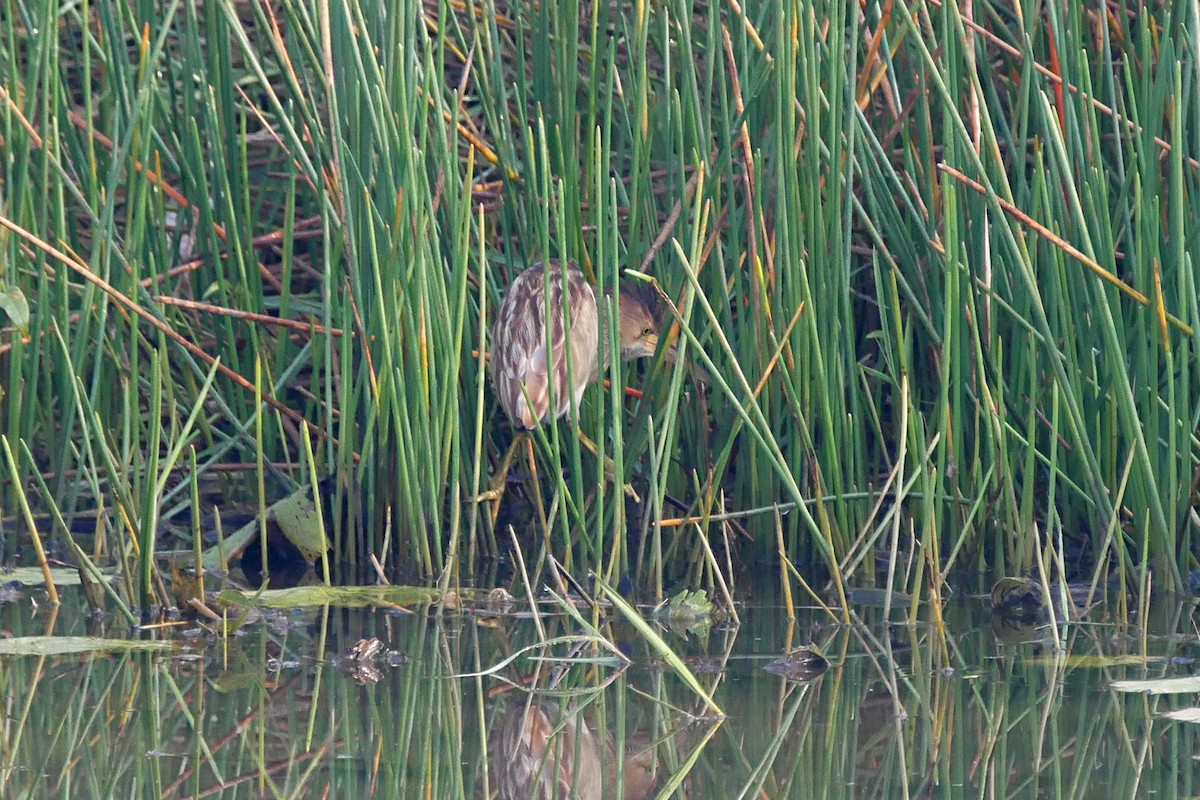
530	376
529	761
535	382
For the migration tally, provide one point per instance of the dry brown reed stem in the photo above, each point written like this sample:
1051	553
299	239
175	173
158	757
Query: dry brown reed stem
125	302
1073	89
1064	245
249	316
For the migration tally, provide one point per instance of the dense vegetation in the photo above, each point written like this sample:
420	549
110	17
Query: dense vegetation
939	267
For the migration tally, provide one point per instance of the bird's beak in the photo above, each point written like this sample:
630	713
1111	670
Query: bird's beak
641	347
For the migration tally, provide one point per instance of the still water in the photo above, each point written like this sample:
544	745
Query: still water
952	705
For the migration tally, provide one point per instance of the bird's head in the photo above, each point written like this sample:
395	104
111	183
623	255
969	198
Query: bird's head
641	319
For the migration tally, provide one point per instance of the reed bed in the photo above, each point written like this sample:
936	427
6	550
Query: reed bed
937	262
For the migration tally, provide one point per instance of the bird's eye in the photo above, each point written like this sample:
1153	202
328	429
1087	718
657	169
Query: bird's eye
646	331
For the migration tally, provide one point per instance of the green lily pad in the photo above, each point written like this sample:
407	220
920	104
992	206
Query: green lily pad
688	612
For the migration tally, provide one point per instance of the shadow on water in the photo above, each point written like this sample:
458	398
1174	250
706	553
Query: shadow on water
406	704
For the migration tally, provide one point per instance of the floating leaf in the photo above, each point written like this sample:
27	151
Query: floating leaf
1159	685
341	596
33	576
299	519
1183	715
295	517
1098	662
688	611
802	664
14	304
67	645
1019	598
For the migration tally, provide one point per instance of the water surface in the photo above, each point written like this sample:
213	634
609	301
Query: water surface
953	705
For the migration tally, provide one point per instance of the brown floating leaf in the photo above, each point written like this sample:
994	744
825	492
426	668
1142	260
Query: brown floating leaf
802	664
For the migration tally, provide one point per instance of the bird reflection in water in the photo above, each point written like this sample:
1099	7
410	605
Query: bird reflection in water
539	755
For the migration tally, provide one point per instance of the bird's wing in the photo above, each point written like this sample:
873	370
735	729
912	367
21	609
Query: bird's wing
584	339
519	353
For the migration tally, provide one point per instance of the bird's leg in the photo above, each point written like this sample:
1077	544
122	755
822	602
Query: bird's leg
495	492
537	499
610	469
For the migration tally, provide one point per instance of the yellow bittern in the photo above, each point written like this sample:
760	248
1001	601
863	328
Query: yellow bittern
528	372
524	366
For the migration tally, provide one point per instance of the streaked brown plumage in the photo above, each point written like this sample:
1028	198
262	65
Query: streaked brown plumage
529	761
520	357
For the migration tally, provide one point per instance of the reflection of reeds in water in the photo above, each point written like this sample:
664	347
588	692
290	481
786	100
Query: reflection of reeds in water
534	754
